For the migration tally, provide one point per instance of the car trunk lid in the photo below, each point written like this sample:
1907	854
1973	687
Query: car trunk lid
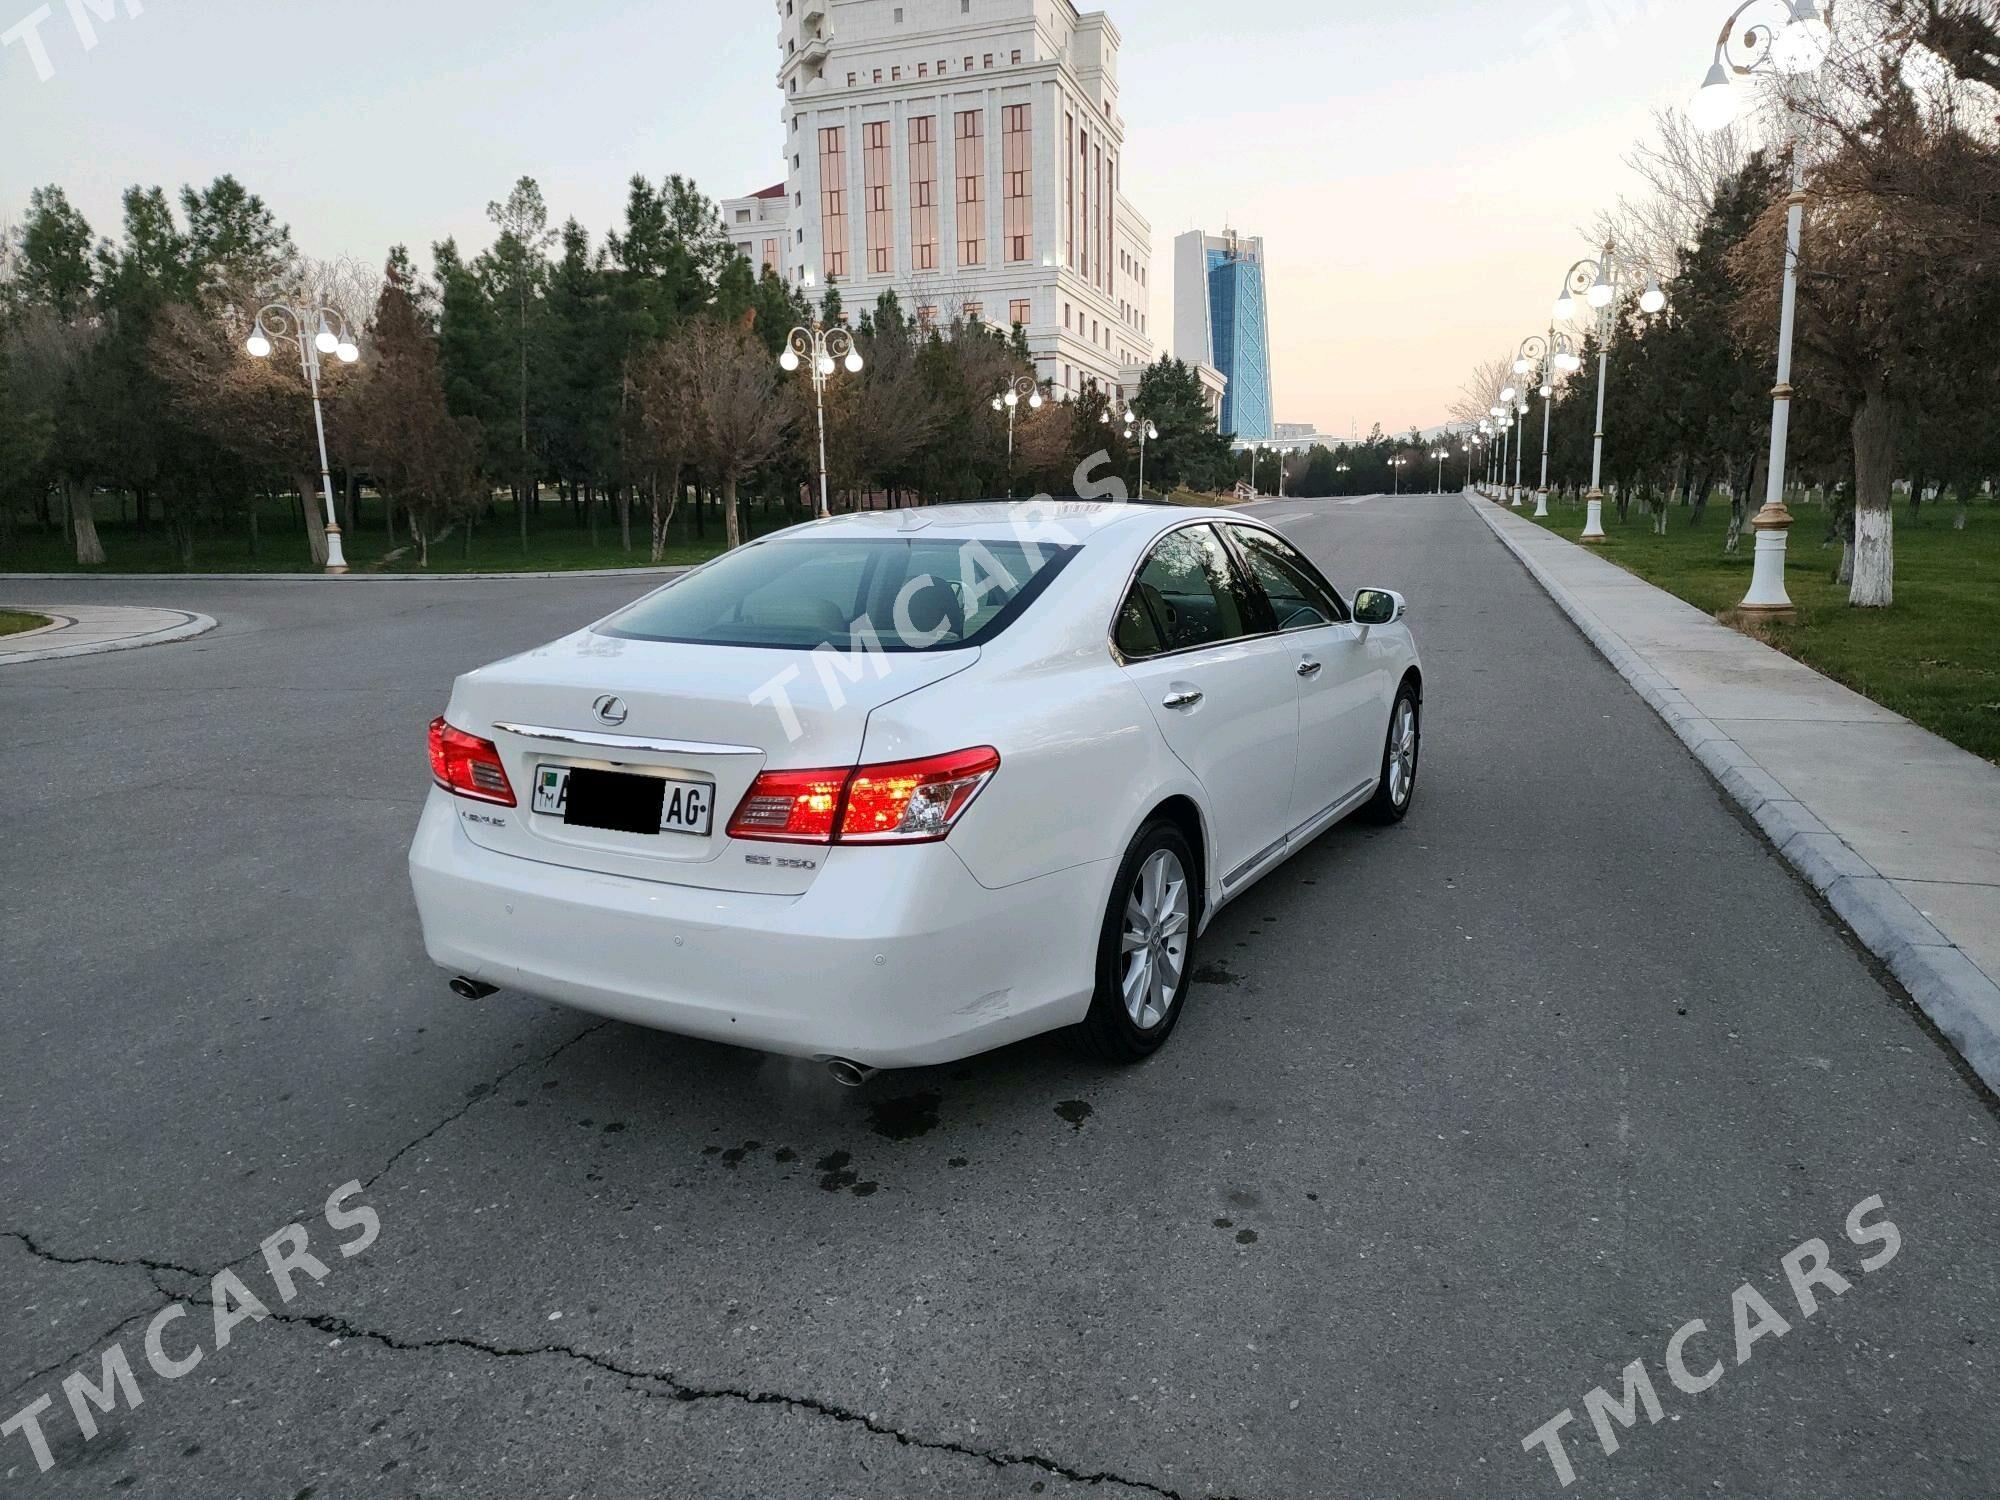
710	717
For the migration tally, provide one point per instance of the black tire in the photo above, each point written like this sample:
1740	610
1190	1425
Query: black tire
1393	795
1111	1033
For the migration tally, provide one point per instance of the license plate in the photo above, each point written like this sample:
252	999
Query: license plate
621	802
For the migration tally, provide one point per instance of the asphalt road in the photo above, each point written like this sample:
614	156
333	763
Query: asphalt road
1466	1116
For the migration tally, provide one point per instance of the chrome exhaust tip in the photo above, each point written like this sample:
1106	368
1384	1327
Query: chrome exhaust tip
849	1075
472	989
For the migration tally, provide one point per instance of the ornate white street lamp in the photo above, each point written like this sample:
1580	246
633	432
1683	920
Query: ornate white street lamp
1020	388
280	322
1599	283
828	349
1542	357
1438	454
1396	470
1798	47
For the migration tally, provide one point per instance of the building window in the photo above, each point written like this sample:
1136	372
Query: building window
975	312
1017	57
1065	315
899	15
833	198
743	214
927	315
1017	180
969	162
942	64
895	75
880	218
852	79
923	194
965	7
1017	311
923	70
968	65
770	255
989	60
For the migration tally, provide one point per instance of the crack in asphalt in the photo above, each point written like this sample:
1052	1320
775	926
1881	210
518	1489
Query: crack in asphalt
663	1385
154	1267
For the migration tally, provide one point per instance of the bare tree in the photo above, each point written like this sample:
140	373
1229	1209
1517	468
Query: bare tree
662	381
1680	169
739	416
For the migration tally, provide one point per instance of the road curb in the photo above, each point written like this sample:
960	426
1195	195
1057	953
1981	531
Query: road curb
191	624
337	578
1961	1001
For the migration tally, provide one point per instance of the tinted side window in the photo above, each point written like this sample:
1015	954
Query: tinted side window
1187	594
1299	596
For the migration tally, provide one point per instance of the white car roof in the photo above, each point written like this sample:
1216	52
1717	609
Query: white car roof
1002	520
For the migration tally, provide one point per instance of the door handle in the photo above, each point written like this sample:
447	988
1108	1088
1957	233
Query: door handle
1184	699
1309	669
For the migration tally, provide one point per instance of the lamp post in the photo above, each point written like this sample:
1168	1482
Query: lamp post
280	322
1599	283
1438	454
1542	357
1143	429
1800	46
1520	444
1396	472
1020	388
826	348
1503	422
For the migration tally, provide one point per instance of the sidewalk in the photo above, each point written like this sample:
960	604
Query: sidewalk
87	629
1899	830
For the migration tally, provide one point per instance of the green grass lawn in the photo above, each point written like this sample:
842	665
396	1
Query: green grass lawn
555	544
14	621
1934	657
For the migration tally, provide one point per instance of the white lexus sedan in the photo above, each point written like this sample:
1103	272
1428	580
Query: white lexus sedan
892	789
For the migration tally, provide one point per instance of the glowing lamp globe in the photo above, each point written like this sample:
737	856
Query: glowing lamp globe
1715	105
259	346
1803	45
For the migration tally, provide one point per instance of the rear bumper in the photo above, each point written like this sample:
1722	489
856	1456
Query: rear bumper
895	957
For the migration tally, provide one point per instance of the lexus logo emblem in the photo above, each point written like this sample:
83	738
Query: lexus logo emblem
611	711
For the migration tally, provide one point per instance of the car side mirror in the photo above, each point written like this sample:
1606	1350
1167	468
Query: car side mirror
1378	607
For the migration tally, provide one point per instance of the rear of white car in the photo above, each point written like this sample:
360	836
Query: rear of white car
693	837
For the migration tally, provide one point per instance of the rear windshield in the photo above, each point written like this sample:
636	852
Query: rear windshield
895	594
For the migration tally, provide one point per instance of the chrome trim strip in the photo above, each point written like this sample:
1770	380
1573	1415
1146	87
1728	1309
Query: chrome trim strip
1339	804
1237	874
1329	810
598	741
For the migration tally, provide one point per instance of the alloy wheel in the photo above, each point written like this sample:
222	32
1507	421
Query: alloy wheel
1403	752
1155	946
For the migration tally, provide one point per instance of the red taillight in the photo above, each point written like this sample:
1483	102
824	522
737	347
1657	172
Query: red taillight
467	766
907	802
914	801
791	807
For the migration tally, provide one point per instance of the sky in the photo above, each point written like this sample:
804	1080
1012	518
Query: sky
1422	170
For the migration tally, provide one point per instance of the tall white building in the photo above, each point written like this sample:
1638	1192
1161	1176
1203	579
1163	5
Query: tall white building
969	155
